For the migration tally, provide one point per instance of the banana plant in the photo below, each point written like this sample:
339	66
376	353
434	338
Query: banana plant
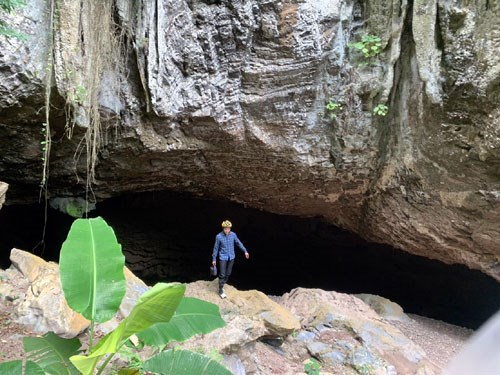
20	367
52	353
191	317
185	362
154	306
91	269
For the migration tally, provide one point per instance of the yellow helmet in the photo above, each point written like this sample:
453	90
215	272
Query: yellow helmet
226	224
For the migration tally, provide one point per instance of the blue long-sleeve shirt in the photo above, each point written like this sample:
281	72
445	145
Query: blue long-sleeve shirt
224	246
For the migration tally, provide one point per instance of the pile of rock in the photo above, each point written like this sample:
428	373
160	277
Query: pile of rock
261	336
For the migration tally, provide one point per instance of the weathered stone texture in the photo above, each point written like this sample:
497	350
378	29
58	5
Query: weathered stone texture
42	305
226	99
3	192
44	308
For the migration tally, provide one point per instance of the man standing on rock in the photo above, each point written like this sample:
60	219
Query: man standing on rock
224	247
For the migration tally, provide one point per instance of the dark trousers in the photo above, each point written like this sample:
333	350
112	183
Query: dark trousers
225	269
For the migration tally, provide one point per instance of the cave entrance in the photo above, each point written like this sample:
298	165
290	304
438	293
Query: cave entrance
169	237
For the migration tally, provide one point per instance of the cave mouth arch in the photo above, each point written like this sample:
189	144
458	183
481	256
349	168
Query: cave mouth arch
168	236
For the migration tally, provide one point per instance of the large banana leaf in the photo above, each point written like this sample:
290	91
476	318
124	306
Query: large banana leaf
16	368
193	316
184	362
91	267
52	353
155	306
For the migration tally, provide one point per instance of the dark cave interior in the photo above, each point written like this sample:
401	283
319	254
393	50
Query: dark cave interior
169	237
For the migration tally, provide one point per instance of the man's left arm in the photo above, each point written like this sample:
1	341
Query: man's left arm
240	245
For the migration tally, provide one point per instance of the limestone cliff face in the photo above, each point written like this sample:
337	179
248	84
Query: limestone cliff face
227	99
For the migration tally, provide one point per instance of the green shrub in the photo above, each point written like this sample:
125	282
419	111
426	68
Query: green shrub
365	369
369	46
312	367
333	108
380	109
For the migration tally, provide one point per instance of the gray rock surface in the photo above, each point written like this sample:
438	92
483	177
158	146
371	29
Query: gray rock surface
338	329
385	308
44	308
350	333
42	305
3	191
226	99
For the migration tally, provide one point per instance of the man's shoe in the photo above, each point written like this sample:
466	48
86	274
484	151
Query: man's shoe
222	295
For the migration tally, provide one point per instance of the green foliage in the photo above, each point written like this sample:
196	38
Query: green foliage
77	95
215	355
380	109
212	353
365	369
133	359
74	210
155	306
52	353
9	6
369	46
193	316
333	108
91	266
312	367
16	368
184	362
9	32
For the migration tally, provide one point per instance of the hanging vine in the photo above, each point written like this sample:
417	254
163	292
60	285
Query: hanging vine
84	44
88	52
46	142
101	50
49	71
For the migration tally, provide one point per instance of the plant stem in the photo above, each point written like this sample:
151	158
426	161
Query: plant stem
105	363
91	335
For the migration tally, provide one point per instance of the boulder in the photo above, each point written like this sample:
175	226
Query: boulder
44	307
260	358
135	288
384	307
252	303
30	265
249	315
343	329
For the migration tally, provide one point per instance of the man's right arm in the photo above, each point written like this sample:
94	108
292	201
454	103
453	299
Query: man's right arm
216	249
